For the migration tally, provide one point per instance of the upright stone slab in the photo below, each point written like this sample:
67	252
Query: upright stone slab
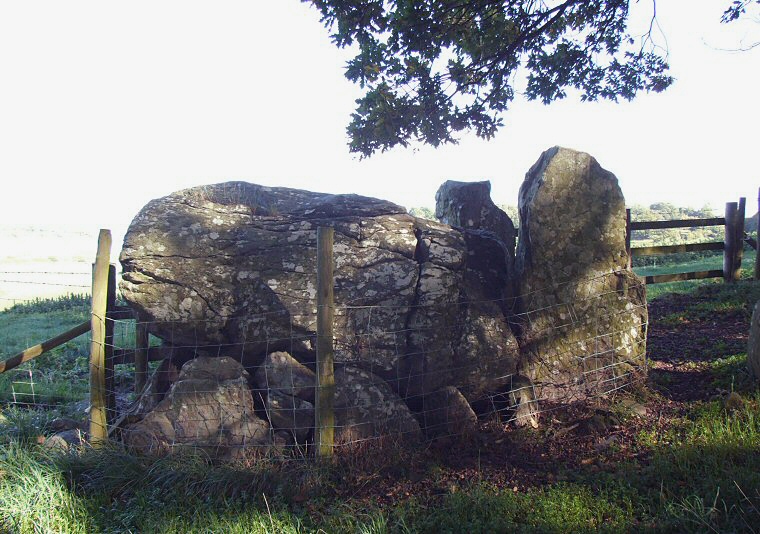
468	205
366	408
582	312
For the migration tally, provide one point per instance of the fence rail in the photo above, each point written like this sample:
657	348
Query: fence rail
45	346
677	223
732	245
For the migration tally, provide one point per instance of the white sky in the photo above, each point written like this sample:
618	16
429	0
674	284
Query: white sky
105	105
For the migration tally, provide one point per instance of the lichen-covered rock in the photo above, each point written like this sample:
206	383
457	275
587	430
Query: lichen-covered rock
523	402
288	387
447	413
469	205
281	372
209	406
583	313
231	268
367	408
753	344
66	440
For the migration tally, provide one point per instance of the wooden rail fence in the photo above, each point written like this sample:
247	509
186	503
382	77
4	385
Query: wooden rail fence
732	245
103	355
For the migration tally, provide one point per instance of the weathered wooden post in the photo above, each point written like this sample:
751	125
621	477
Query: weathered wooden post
98	416
628	237
142	343
739	250
730	241
324	433
108	348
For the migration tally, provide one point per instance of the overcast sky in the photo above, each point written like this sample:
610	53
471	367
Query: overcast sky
105	105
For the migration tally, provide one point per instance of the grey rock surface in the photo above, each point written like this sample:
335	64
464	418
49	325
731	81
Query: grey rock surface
447	413
209	406
288	387
583	313
289	413
469	205
66	440
367	408
281	372
232	268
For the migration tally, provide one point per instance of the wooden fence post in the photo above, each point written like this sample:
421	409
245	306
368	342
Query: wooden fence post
628	237
324	432
739	250
108	347
730	238
98	416
142	343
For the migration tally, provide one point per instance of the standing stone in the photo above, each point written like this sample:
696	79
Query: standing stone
468	205
282	372
464	284
582	312
288	387
753	345
286	412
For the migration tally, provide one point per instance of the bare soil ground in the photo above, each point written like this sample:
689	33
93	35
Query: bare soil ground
577	441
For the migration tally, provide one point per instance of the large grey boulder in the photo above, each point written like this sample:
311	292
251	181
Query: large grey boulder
210	406
365	405
232	268
66	440
281	372
366	408
289	413
583	313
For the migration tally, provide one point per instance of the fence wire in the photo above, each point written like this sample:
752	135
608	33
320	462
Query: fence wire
403	372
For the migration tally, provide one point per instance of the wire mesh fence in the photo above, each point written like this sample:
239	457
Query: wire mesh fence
398	374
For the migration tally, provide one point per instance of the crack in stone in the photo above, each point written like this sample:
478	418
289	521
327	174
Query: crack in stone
161	279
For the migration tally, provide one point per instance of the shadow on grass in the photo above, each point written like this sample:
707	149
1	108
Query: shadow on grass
703	476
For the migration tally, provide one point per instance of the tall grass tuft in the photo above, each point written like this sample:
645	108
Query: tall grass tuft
69	302
36	497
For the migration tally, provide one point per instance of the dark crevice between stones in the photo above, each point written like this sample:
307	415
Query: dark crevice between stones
415	403
181	257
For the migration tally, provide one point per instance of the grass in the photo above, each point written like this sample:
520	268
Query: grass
706	263
703	475
61	375
698	473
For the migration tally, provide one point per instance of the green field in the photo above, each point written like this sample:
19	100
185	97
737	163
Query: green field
707	263
60	376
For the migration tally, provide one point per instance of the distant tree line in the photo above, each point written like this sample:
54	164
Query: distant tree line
660	211
663	211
